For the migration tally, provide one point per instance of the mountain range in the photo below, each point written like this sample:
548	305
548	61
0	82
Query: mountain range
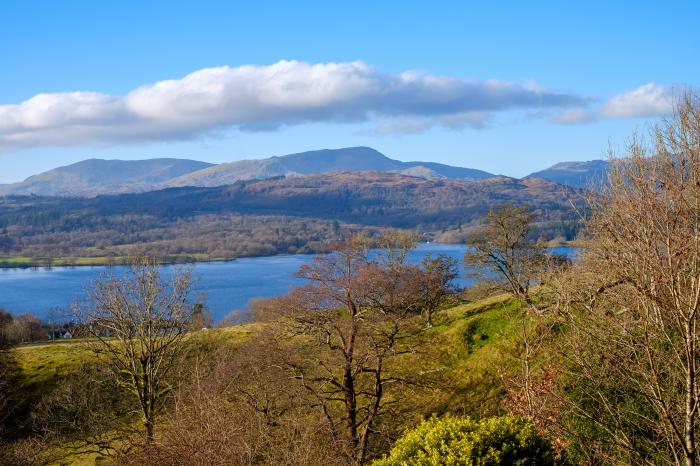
95	177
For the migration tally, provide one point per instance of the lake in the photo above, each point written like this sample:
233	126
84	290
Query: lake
227	286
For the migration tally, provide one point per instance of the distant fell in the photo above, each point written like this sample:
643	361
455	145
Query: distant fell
575	174
93	177
317	162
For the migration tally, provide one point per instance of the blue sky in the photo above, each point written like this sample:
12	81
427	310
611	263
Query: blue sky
508	87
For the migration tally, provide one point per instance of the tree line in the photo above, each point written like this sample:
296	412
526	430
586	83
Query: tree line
267	217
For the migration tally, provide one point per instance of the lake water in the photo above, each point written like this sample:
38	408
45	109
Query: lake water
226	286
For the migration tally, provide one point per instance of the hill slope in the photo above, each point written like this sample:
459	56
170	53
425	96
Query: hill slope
575	174
372	198
468	342
97	176
265	217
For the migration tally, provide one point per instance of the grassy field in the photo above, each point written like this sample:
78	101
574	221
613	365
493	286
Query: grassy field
43	365
477	339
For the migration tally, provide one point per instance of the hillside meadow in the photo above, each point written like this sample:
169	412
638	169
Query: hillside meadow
475	343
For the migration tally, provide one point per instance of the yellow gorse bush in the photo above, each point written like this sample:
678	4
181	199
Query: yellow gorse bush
462	441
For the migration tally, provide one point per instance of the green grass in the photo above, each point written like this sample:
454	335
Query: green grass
476	339
19	260
24	261
472	331
42	366
471	338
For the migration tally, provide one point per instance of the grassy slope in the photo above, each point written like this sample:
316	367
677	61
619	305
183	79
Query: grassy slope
475	338
471	339
43	365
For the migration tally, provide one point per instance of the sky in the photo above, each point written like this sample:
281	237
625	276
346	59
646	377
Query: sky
506	87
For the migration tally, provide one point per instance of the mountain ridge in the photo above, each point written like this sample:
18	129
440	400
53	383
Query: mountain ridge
93	177
358	158
137	175
269	216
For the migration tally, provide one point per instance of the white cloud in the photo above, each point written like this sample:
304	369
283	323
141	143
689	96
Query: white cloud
574	116
253	97
648	100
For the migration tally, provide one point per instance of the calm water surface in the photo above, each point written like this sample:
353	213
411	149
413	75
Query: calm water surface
226	286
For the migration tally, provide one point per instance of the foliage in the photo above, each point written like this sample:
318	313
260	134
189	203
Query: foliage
459	441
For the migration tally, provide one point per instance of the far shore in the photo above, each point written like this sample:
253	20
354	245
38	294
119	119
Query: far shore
25	262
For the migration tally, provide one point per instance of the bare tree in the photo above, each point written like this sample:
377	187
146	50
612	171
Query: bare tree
6	321
504	250
395	245
242	408
87	413
139	321
633	304
24	328
357	311
434	284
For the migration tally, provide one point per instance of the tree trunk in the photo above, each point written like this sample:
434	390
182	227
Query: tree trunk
350	410
149	431
349	389
378	393
690	400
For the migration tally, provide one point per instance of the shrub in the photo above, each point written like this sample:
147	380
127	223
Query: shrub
462	441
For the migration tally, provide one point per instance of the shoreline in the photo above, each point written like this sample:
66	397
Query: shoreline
24	262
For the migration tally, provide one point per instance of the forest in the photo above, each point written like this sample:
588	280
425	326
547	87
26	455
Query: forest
256	218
